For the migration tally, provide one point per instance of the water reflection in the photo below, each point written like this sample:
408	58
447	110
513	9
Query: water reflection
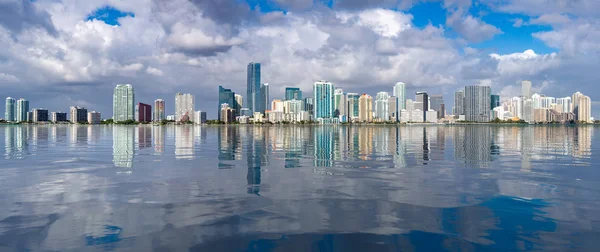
184	142
123	146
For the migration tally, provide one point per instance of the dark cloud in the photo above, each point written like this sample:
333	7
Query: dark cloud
226	11
17	15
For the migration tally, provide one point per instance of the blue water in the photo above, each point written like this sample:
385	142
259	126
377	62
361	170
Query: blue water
299	188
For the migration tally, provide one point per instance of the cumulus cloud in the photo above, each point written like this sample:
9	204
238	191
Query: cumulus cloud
8	78
17	15
472	29
550	19
154	71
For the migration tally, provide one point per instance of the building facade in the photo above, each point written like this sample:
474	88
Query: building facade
293	93
477	103
78	114
143	112
526	89
437	104
382	106
123	103
159	110
253	94
352	100
422	103
239	103
323	100
22	109
10	109
199	117
339	102
58	117
184	107
309	105
40	115
94	117
494	101
226	96
365	108
400	94
459	100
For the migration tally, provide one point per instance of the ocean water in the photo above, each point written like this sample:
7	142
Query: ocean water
299	188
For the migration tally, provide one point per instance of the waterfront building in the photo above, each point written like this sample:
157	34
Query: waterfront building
309	105
392	109
437	104
22	109
339	102
227	113
226	96
292	106
527	112
94	117
477	103
170	118
58	117
159	110
29	116
494	101
293	93
10	109
143	113
245	112
123	103
459	100
365	108
431	116
253	91
584	109
40	115
323	100
422	103
400	93
352	100
78	114
382	106
239	103
526	89
199	117
563	104
184	107
264	92
277	105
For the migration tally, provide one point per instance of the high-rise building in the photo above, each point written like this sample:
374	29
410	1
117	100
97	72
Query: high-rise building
78	114
264	92
352	104
227	114
40	115
143	112
582	106
400	94
29	116
477	103
10	109
365	108
422	103
495	101
277	105
95	117
459	100
323	99
381	106
516	106
253	94
526	89
293	93
159	110
239	103
563	104
123	103
339	102
184	107
437	104
22	109
392	106
309	105
226	96
58	117
199	117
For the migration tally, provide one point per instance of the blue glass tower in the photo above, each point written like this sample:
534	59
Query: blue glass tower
226	96
254	95
293	93
323	99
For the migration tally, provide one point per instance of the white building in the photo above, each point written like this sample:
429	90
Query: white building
184	107
199	117
431	116
382	106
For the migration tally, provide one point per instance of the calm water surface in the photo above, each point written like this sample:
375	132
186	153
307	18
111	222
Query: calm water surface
299	188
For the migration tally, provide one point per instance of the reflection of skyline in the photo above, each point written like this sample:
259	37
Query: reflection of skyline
123	146
158	135
144	136
184	143
15	142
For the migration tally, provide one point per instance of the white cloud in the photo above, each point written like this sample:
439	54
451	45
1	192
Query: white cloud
524	64
4	77
550	19
154	71
472	29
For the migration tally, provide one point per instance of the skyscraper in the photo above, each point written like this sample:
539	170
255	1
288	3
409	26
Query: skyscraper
293	93
365	108
184	107
159	110
10	109
225	96
495	101
309	105
422	103
477	103
437	104
239	103
339	102
323	99
584	113
459	100
22	109
253	95
143	112
264	94
400	94
526	89
123	103
352	104
381	106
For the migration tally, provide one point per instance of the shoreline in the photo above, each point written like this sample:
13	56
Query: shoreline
316	124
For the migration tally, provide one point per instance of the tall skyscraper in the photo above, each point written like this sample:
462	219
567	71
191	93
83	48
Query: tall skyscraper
526	89
495	101
437	104
78	114
226	96
10	109
239	103
339	102
422	103
477	103
323	99
584	113
264	92
123	103
22	109
184	107
365	108
253	95
143	112
392	106
293	93
159	110
352	104
459	100
309	105
400	94
381	106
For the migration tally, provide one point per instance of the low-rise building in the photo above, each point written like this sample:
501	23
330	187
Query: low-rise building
94	117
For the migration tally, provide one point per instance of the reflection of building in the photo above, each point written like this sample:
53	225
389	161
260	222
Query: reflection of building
323	144
123	146
365	142
144	137
256	157
473	145
184	143
123	103
158	135
184	107
15	142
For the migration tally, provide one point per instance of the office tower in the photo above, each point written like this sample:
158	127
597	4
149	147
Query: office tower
422	103
22	109
526	89
58	117
199	117
527	113
239	103
159	110
293	93
459	100
477	103
184	107
10	109
264	92
227	114
253	94
323	99
309	105
437	104
143	112
381	106
78	114
123	103
339	102
392	106
495	101
277	105
352	104
400	94
563	104
40	115
94	117
365	108
226	96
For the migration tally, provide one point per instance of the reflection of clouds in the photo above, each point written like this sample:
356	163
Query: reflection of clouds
123	146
